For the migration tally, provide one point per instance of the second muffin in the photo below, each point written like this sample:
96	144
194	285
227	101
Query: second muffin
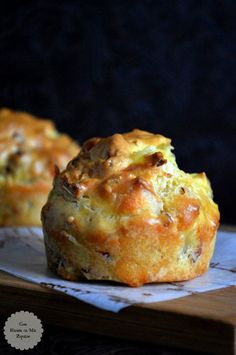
29	150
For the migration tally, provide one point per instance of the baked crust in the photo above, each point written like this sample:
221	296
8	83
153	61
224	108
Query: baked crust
124	211
29	150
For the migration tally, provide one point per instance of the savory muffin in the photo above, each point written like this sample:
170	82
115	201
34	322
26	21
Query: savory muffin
123	211
29	150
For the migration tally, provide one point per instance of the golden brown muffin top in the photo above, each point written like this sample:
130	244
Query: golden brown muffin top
30	147
132	174
101	157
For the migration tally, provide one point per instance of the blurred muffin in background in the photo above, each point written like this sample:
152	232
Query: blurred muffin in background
30	148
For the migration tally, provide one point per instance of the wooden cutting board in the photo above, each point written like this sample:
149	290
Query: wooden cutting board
202	322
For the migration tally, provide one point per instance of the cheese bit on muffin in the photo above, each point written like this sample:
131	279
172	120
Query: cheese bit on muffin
123	211
29	150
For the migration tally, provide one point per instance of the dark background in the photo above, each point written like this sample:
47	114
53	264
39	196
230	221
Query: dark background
98	67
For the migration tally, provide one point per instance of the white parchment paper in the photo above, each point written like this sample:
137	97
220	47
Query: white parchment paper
22	254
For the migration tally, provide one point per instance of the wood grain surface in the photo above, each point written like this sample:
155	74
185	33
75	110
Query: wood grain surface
201	322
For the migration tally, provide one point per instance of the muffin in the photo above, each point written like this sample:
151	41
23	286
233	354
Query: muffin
123	211
29	150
